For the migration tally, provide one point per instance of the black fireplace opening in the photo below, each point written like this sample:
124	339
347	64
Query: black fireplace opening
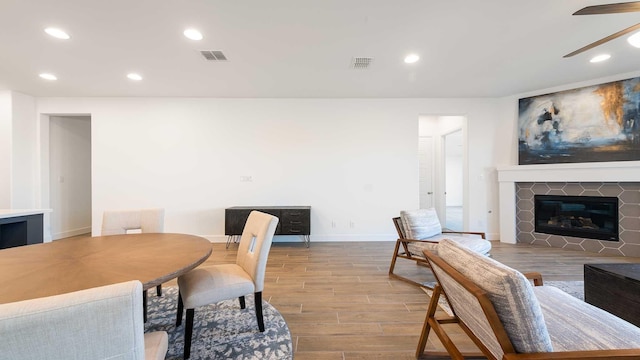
590	217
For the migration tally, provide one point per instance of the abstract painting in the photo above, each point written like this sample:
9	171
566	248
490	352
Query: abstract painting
590	124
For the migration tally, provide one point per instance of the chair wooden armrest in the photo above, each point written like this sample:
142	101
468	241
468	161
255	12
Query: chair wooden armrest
535	276
626	354
482	234
418	241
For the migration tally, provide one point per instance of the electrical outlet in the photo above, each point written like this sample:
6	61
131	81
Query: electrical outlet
333	224
352	224
246	179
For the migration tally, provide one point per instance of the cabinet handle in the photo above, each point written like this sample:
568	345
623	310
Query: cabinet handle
295	231
295	222
294	214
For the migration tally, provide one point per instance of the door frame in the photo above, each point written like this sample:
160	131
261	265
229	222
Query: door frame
44	174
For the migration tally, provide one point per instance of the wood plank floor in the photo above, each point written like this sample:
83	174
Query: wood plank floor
340	304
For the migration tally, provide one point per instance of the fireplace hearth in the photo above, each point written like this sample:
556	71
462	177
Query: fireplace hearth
589	217
519	184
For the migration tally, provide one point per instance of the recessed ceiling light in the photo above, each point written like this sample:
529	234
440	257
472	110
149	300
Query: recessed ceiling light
47	76
57	33
410	59
193	34
134	76
599	58
634	39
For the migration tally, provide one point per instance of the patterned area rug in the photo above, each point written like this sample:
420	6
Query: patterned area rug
573	288
221	331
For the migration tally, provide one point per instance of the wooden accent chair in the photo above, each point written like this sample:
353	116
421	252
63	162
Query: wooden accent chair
98	323
411	249
509	319
209	285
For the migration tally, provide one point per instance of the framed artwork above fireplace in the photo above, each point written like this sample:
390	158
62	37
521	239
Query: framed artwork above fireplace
591	124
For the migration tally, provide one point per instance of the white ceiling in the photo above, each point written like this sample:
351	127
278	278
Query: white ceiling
303	49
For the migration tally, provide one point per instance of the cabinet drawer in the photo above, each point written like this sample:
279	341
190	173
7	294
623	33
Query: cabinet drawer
294	229
290	215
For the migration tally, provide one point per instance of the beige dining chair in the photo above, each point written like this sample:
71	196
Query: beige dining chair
98	323
209	285
119	222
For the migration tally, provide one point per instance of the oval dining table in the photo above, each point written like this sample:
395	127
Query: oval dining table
68	265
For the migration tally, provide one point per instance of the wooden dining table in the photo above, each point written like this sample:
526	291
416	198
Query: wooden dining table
68	265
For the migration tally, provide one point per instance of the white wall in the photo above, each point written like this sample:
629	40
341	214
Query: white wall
6	137
70	175
352	160
355	159
24	153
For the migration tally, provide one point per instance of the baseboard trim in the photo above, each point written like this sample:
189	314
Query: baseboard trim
315	238
331	238
69	233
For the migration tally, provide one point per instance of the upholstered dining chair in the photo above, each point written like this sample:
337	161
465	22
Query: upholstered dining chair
97	323
118	222
209	285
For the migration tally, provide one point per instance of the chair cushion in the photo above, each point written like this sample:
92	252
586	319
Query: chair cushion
207	285
420	224
510	292
576	325
472	241
156	345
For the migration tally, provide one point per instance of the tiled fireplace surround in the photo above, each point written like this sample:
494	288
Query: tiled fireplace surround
518	185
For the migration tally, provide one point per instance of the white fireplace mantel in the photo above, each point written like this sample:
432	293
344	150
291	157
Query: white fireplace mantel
508	176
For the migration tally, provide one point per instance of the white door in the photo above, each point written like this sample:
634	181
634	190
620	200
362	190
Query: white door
425	149
454	179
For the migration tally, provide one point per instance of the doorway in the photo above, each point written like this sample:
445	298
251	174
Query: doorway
442	162
69	160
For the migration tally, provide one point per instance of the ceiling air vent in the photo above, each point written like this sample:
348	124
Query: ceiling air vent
213	55
361	63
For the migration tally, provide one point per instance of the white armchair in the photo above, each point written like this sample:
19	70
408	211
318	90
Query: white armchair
93	324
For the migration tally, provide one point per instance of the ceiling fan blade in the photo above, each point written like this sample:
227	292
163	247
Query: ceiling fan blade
604	40
610	8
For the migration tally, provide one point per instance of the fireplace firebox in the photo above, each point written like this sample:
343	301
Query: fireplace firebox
590	217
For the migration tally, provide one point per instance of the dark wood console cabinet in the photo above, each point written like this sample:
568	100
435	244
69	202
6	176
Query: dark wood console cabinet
294	220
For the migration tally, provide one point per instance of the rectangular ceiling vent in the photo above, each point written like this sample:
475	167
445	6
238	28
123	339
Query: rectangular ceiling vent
361	63
213	55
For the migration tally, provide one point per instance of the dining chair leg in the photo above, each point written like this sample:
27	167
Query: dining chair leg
188	331
242	303
144	305
159	290
180	309
259	317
